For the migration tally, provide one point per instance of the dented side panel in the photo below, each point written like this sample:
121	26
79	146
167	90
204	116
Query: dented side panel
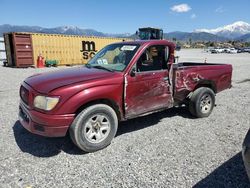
188	78
146	92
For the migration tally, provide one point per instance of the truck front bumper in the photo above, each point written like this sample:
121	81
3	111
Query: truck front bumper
246	153
44	124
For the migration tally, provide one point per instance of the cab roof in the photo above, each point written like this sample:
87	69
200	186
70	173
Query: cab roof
149	42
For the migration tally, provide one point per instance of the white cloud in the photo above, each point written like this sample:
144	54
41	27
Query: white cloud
181	8
193	16
220	10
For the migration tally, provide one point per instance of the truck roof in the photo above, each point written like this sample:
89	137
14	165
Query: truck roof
148	28
150	42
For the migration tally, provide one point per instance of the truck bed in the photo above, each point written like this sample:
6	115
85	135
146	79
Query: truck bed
190	75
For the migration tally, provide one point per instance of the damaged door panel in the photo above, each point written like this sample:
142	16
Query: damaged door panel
147	91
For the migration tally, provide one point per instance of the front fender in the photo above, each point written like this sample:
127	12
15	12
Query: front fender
109	92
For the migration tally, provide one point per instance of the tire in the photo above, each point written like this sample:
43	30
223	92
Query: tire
94	128
202	102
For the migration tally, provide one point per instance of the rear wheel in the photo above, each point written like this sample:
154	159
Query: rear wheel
94	128
202	102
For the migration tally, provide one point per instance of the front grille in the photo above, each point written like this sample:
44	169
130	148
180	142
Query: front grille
24	94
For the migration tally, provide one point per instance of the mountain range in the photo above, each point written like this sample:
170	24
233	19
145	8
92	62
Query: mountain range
231	31
67	30
237	31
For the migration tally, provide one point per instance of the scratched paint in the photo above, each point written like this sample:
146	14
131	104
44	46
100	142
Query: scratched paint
187	80
147	91
125	92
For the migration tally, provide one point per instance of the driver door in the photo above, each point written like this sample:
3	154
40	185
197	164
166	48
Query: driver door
148	89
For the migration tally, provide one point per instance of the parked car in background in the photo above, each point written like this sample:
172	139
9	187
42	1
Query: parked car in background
217	50
231	50
247	50
246	153
213	51
240	50
243	50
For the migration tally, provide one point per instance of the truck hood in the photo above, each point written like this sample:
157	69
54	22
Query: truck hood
46	82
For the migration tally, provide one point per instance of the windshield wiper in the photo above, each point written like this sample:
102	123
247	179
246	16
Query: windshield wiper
104	68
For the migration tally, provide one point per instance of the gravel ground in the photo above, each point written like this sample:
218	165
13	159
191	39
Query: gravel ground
166	149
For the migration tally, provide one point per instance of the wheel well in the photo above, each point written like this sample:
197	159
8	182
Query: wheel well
207	83
204	83
108	102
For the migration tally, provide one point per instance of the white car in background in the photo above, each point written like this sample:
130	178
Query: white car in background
220	50
217	50
231	50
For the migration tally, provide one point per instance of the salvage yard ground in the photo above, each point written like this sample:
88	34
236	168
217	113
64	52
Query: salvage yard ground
166	149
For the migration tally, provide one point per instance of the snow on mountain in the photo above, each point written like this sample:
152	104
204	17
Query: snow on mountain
65	28
232	31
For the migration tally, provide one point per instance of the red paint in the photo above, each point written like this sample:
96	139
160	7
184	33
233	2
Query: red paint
147	91
53	125
130	95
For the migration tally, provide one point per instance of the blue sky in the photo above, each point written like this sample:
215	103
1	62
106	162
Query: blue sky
117	16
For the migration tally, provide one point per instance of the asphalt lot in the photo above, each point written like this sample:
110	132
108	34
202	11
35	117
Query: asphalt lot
166	149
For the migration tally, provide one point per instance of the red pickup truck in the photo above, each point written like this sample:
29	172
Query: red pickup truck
122	81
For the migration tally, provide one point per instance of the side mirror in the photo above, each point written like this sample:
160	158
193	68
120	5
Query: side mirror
132	72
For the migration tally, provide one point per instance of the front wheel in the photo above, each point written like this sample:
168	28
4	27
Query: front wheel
202	102
94	128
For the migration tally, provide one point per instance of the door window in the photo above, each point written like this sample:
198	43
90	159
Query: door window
153	58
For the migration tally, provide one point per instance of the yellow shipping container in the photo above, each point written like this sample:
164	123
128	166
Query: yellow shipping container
68	49
65	49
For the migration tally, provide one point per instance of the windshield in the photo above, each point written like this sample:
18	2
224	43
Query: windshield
144	35
114	57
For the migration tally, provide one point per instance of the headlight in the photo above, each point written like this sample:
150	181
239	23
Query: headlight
45	103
